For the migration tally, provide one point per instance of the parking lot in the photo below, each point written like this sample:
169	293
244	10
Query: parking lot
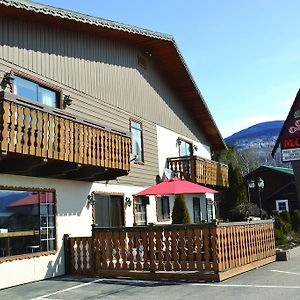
279	280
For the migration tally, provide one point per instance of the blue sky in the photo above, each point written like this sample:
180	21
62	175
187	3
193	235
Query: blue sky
244	55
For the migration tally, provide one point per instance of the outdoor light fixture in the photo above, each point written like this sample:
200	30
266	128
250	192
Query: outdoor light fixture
67	101
195	147
260	185
128	201
91	199
8	80
148	53
178	142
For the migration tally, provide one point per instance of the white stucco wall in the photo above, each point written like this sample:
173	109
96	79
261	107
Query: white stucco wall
74	217
166	144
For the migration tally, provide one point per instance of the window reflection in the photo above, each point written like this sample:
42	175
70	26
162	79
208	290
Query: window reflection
27	222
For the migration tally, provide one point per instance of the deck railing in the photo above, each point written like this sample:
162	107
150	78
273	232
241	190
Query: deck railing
200	170
203	252
33	129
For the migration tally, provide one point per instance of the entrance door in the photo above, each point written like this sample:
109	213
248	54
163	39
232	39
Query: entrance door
197	210
109	210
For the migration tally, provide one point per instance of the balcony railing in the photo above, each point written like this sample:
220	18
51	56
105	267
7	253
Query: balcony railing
200	170
38	131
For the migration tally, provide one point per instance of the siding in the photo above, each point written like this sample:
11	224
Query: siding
104	80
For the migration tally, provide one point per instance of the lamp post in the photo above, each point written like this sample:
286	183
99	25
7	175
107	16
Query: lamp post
250	185
260	185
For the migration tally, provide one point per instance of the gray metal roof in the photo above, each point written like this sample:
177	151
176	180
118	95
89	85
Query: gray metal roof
71	15
103	23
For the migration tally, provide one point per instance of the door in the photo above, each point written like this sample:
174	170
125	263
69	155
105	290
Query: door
197	210
109	210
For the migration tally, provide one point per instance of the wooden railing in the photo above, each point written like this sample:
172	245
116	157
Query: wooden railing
200	170
203	252
33	129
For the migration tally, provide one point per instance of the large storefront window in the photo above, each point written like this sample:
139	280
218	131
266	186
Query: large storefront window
27	221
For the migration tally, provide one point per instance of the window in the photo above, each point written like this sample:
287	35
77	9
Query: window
137	142
163	208
140	214
209	208
197	210
185	148
35	92
27	221
282	205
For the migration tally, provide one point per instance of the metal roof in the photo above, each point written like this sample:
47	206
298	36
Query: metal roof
281	169
166	54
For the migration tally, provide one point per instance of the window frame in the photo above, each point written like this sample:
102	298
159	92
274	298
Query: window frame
278	202
41	83
109	194
134	211
142	161
40	253
159	209
209	202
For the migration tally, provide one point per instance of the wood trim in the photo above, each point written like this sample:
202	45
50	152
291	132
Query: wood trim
26	256
42	83
108	193
142	162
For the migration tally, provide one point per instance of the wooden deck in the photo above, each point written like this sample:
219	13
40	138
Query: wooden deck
179	252
199	170
44	135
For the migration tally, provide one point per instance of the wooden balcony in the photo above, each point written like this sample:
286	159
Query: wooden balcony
200	170
36	140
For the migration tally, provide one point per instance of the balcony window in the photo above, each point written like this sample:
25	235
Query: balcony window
163	208
185	148
137	140
27	222
35	92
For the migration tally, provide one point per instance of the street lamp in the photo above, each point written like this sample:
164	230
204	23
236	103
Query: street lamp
250	185
260	185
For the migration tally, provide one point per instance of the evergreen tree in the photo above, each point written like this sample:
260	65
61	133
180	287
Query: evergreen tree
236	193
180	214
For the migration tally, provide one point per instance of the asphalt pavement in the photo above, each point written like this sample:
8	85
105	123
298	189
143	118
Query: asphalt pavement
279	280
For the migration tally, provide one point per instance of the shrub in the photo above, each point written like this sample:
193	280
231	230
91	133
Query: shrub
243	211
180	214
280	238
285	216
296	220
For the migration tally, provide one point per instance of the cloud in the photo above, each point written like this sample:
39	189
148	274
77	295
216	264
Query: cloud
250	121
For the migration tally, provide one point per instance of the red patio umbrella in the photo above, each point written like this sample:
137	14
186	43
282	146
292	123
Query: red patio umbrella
175	186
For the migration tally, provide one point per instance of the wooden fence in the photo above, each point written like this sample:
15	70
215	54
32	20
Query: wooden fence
197	252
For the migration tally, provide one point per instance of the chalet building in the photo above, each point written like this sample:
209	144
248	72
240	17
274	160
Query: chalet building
288	142
279	192
91	112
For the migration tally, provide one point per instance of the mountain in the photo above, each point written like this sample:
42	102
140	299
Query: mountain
256	142
265	131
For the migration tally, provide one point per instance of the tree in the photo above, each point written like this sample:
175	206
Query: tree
235	195
180	214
